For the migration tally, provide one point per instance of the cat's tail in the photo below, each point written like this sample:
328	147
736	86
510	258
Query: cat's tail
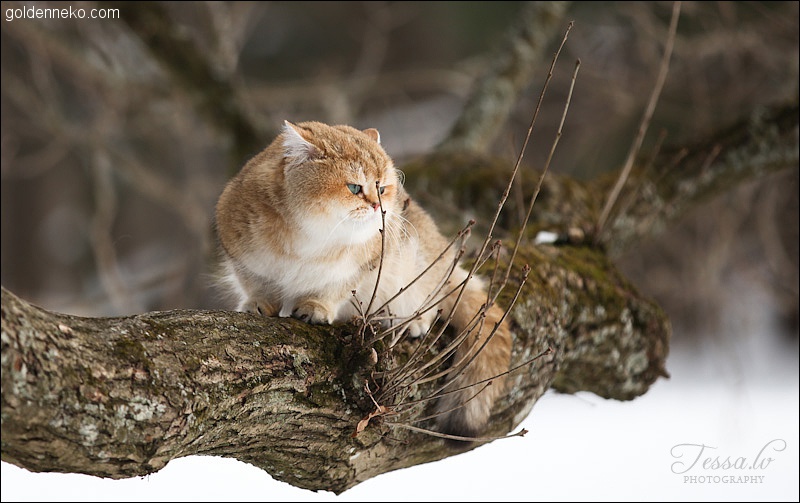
482	357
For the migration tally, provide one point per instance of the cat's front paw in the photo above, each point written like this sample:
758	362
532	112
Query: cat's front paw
258	306
314	312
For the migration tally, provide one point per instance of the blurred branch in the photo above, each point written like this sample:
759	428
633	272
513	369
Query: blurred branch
784	270
765	142
657	193
215	97
646	118
102	223
144	179
511	69
388	83
342	103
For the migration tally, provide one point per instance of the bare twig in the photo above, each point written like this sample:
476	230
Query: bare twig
507	190
541	177
447	411
383	247
517	164
441	393
429	303
645	122
662	135
459	367
424	306
215	97
400	377
520	433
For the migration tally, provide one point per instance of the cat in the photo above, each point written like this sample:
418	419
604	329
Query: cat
300	231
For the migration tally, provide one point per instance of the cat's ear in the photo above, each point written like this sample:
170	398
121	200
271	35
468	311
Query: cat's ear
296	149
374	134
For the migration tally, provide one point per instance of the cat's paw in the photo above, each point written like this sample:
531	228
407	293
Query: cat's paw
314	312
258	306
418	327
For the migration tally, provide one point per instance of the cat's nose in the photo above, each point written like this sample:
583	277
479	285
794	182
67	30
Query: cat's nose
375	206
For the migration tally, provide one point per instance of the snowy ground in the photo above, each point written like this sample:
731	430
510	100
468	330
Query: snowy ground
737	394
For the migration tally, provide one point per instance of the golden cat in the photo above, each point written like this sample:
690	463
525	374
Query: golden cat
300	230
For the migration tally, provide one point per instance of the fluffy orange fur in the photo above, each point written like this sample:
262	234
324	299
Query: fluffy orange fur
300	230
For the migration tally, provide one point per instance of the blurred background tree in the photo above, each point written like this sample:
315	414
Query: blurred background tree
119	134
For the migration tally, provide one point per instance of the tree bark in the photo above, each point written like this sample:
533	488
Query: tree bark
121	397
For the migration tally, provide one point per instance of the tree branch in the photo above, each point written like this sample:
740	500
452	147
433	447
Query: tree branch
656	194
214	95
683	177
511	69
120	397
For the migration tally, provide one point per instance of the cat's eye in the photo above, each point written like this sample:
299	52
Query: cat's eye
354	188
382	189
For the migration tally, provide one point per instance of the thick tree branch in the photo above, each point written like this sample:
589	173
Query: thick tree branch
118	397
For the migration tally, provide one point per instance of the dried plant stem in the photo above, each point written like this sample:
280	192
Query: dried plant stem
460	337
527	362
409	318
425	305
409	369
403	378
383	247
461	235
644	124
495	252
461	366
520	433
541	177
454	344
398	376
507	191
517	164
459	406
623	208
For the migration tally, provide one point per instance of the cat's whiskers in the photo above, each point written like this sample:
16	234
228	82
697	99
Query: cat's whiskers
406	224
394	229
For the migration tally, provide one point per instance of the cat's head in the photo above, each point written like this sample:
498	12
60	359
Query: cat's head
338	179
